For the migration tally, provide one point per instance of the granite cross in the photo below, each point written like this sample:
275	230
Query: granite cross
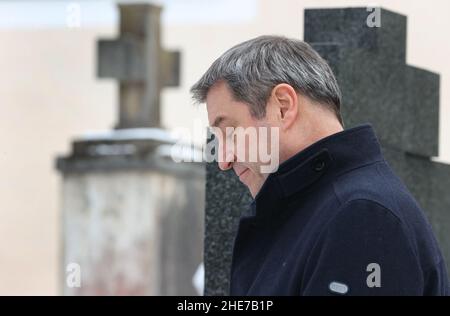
137	60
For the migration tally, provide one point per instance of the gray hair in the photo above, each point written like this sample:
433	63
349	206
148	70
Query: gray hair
253	68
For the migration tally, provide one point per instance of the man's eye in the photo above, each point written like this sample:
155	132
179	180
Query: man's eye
231	135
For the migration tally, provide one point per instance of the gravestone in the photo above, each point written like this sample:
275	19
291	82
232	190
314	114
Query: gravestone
131	215
401	102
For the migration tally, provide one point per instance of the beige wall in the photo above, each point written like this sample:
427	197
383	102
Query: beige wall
49	93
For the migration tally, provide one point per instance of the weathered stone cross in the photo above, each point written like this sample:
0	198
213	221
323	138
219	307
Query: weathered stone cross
137	60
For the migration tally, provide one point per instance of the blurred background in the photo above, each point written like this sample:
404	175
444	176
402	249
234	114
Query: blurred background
50	94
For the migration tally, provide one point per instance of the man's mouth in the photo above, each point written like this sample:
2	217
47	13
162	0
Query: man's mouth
242	173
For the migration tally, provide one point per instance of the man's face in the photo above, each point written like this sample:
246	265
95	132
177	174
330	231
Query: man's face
236	150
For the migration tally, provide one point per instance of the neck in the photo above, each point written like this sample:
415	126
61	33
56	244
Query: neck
311	134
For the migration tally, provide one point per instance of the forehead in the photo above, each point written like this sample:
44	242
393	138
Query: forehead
219	94
220	102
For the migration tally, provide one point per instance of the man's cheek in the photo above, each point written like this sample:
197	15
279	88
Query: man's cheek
240	150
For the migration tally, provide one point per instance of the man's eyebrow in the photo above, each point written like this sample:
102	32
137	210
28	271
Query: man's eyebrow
217	121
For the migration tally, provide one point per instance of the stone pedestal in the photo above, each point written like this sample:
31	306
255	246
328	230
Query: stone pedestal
132	218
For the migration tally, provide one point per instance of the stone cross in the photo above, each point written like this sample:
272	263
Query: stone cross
401	102
142	67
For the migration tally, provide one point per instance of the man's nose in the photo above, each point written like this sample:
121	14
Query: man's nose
227	162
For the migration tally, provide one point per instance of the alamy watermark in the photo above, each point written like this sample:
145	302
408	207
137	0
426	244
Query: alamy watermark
374	18
374	277
73	15
73	275
233	144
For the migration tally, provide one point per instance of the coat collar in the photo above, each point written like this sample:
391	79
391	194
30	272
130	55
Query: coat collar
329	157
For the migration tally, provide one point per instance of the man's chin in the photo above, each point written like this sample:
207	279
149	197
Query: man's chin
255	187
250	181
250	188
253	190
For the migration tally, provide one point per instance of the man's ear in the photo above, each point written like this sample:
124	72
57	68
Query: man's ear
286	101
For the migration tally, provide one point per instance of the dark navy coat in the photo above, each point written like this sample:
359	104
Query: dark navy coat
335	220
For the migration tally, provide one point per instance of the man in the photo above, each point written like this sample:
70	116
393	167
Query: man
333	219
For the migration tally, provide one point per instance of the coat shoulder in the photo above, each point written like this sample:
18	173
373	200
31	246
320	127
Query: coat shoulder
379	187
376	183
